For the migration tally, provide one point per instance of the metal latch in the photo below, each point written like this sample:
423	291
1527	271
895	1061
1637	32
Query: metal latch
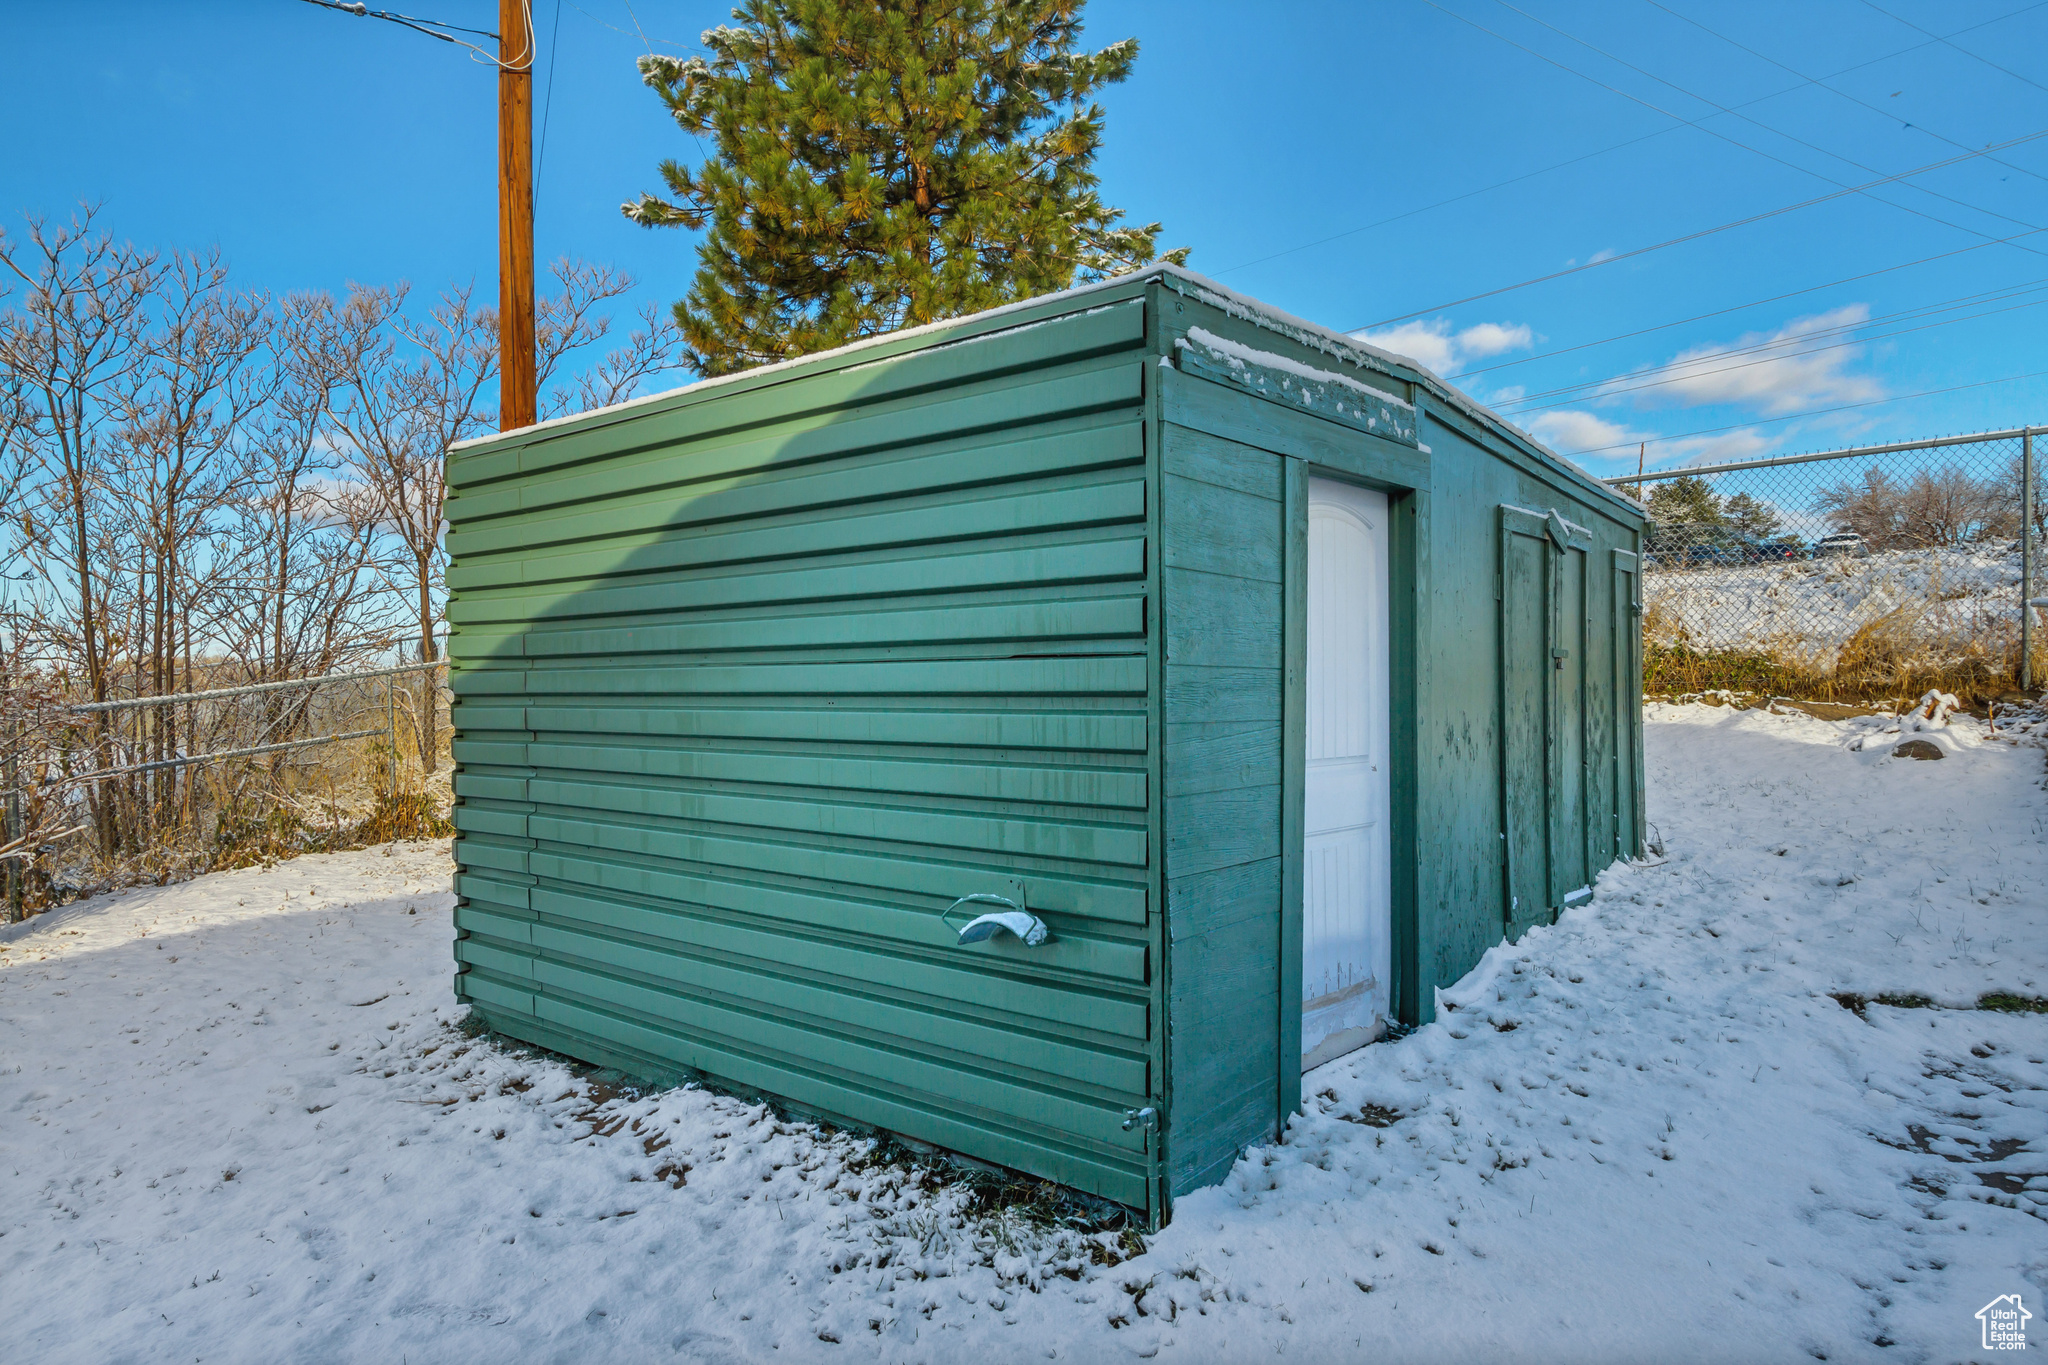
1146	1118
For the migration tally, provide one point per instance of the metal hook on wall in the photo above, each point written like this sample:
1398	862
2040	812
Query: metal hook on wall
1017	920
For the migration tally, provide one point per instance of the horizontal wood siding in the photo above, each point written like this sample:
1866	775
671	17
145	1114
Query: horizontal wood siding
1223	556
751	685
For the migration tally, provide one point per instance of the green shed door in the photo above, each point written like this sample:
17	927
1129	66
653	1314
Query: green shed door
1571	824
1628	681
1525	602
1545	754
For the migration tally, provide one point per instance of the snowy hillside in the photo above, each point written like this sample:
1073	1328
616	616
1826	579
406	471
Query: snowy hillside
238	1123
1808	609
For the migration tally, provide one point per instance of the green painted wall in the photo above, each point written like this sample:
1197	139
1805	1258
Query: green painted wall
753	683
1240	437
1223	543
754	679
1474	473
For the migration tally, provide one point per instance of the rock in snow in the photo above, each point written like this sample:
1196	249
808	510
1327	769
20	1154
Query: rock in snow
238	1122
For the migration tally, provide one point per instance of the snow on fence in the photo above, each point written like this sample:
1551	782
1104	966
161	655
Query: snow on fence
1852	574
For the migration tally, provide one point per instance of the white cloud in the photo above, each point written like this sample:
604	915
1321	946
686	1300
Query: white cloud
1594	437
1569	432
1762	370
1590	436
1433	345
1742	444
1494	338
1428	344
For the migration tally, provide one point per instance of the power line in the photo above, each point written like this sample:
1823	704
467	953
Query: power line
1703	232
436	28
1680	371
1441	203
1637	99
1757	151
1934	38
1735	308
636	25
1822	83
1774	348
430	27
1515	180
1915	311
1964	50
548	104
1815	412
648	42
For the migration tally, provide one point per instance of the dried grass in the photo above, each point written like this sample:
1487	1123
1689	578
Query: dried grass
251	812
280	832
1892	656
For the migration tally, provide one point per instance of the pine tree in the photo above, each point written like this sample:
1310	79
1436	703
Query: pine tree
1751	516
884	163
1687	501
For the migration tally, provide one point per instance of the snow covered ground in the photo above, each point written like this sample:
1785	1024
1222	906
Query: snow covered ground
237	1122
1952	599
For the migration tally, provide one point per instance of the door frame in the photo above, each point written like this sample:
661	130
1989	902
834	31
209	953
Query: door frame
1559	538
1312	446
1627	575
1380	695
1364	465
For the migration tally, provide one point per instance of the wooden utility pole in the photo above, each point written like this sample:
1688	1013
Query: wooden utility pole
517	384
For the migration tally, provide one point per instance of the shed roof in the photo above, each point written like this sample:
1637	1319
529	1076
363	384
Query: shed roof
1300	330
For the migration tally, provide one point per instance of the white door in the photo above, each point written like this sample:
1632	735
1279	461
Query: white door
1347	899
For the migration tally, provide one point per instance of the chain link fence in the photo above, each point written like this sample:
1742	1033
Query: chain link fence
1860	575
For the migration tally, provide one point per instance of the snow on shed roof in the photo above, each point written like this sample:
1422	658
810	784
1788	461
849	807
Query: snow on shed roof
1311	334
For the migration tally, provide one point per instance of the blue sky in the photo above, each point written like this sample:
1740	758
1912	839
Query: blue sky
1277	140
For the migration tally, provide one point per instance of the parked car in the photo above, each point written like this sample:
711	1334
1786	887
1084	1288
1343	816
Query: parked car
1782	548
1706	554
1842	544
1733	551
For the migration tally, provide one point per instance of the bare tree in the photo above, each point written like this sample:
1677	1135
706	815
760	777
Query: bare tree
1940	507
2018	484
309	598
1947	507
304	599
185	409
569	321
76	338
200	486
407	391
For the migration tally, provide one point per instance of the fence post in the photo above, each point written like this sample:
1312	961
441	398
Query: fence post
391	731
2027	560
16	866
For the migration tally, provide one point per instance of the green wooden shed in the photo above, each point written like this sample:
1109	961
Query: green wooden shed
1042	735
